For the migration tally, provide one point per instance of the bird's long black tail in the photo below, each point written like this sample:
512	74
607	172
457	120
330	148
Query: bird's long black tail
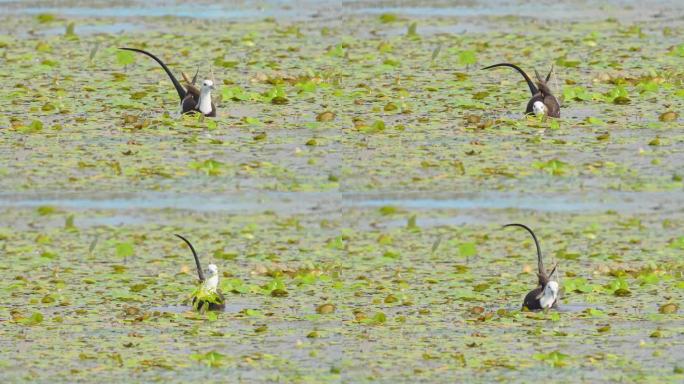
540	263
179	88
530	83
199	267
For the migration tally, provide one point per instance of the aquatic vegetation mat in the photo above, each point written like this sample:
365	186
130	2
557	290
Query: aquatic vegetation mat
319	122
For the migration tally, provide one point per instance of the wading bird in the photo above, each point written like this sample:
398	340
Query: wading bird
207	296
545	295
543	102
192	100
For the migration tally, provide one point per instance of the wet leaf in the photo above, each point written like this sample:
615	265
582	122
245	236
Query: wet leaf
279	100
45	18
668	116
325	309
279	293
391	210
378	319
389	299
577	93
467	58
313	335
45	210
124	250
554	167
125	57
467	250
388	18
209	167
211	359
668	308
35	319
555	358
621	100
595	312
325	116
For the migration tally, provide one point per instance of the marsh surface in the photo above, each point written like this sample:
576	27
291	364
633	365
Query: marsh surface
351	192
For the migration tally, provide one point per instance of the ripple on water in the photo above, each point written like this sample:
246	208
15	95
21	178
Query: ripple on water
575	307
109	29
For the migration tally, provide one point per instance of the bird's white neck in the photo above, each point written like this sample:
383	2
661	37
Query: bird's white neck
547	301
549	295
205	101
211	284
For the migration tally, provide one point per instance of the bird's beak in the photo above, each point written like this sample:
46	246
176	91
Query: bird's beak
212	87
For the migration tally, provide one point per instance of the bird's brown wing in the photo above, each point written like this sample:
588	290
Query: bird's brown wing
189	103
190	86
192	94
552	106
186	78
192	90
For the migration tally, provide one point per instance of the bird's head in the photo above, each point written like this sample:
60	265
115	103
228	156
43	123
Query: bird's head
551	289
208	85
539	108
212	270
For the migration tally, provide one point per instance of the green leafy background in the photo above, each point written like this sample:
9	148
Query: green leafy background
319	121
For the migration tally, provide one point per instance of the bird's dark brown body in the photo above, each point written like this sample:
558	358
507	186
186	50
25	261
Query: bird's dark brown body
189	96
531	301
540	92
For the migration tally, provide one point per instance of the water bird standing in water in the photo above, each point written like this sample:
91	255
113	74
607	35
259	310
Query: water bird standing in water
543	102
545	295
207	295
192	100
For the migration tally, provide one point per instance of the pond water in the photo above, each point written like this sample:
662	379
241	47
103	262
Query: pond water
287	202
329	9
351	192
